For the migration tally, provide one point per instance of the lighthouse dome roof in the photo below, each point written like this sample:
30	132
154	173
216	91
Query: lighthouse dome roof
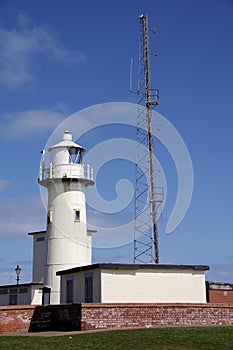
67	142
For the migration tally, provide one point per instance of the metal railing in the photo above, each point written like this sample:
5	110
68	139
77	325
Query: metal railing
78	171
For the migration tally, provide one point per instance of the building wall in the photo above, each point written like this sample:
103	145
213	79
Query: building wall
66	238
79	286
4	299
89	246
36	295
221	296
153	286
39	252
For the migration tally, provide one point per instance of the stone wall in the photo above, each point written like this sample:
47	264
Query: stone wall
105	316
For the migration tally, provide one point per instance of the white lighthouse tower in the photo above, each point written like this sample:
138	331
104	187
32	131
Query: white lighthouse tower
68	243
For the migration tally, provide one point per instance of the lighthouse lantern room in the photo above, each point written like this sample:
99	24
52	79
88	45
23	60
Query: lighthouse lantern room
68	244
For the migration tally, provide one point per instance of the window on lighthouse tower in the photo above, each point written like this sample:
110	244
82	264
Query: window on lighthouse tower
77	215
75	155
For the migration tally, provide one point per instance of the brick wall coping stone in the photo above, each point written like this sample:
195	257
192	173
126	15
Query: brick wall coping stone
18	307
106	305
204	305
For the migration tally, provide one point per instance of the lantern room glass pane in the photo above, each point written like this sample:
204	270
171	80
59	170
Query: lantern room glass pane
75	155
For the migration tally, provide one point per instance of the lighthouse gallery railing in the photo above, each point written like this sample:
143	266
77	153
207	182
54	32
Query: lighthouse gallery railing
79	171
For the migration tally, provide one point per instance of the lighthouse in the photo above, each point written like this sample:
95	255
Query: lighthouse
68	242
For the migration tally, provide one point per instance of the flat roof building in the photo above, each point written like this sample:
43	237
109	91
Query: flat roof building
117	283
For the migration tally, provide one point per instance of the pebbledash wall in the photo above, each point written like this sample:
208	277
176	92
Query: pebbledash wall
112	316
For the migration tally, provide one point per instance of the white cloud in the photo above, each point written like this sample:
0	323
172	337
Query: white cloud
29	123
4	185
20	44
7	277
20	216
220	273
112	230
108	220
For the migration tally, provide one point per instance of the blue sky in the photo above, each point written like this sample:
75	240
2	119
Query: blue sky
61	57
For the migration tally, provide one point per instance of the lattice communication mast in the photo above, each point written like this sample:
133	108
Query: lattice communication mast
146	248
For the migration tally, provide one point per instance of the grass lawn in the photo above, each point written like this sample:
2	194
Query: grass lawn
195	338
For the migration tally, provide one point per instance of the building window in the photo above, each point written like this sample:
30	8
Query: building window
69	289
23	290
14	291
3	291
77	215
40	239
50	217
13	299
89	288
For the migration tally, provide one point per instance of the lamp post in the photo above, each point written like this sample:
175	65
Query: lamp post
17	270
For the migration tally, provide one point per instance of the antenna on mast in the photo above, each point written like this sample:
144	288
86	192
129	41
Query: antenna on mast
146	249
131	78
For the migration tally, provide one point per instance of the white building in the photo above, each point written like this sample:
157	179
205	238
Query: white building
21	294
132	283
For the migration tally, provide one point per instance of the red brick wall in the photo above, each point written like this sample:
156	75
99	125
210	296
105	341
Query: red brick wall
15	318
103	316
221	296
